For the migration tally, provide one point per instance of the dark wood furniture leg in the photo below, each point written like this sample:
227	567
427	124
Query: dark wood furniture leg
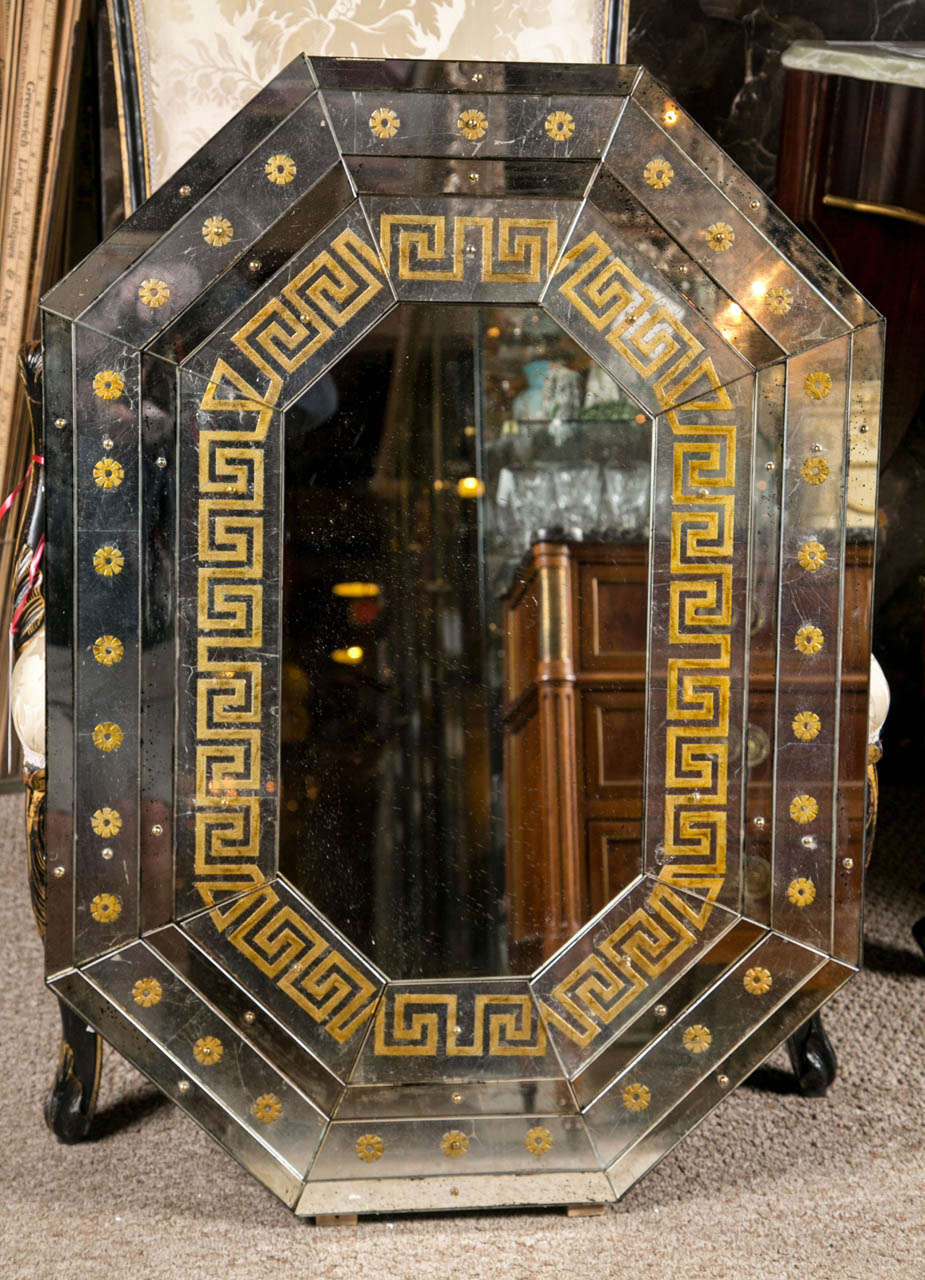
812	1058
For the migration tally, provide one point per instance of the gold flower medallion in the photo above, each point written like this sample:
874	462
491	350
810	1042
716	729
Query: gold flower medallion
801	892
454	1144
658	173
108	650
757	981
267	1108
105	908
369	1147
697	1039
806	725
107	736
217	231
812	556
108	384
559	125
815	470
106	822
804	809
108	561
280	170
538	1141
153	293
208	1050
384	123
636	1097
817	385
147	992
720	237
472	124
808	639
108	473
778	300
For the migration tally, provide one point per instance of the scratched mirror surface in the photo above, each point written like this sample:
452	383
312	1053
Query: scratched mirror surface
466	524
461	508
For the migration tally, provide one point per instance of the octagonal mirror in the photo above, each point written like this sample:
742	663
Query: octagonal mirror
460	530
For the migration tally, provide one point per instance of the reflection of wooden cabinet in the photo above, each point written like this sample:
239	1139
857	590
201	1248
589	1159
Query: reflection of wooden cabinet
575	627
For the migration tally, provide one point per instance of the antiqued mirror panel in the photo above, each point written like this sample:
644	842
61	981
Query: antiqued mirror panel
465	616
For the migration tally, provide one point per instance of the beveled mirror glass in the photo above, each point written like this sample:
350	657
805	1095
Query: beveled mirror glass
459	556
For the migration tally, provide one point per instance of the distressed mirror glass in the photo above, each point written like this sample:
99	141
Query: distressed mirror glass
460	529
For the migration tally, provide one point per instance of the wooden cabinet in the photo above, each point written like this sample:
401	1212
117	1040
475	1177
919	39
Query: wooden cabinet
575	626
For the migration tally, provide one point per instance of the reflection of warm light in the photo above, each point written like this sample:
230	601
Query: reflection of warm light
355	590
493	332
348	657
671	113
759	288
640	418
735	311
470	487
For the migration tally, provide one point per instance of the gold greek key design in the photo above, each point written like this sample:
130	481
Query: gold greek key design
432	247
108	384
426	1024
302	963
559	125
658	173
369	1147
384	123
801	892
538	1141
757	981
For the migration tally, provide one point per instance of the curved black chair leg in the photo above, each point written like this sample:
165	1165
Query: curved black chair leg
70	1106
918	932
812	1058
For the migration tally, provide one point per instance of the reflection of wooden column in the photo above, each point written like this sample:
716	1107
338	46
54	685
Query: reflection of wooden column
543	861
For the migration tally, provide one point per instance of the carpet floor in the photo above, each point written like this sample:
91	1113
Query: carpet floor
770	1186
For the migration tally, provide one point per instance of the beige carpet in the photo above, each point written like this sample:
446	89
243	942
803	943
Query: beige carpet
770	1186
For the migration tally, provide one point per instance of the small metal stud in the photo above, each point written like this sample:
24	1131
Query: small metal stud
847	863
186	191
106	853
661	1011
183	1086
759	822
161	461
478	78
817	448
60	423
808	842
157	829
457	1098
254	264
473	177
250	1017
59	872
682	270
754	204
722	1080
863	428
107	442
769	466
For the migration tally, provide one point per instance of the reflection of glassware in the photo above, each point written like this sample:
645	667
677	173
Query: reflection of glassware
528	404
578	498
561	400
626	498
529	496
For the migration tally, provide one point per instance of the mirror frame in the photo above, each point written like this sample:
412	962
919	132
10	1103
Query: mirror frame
343	189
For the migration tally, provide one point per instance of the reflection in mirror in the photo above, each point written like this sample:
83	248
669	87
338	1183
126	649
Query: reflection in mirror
465	612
